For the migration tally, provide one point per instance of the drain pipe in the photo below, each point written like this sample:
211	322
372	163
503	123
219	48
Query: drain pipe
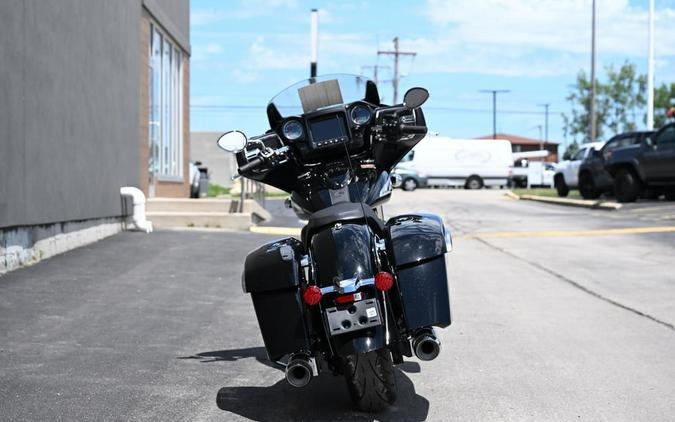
138	201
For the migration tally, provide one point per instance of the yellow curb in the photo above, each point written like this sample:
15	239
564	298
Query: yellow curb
585	203
280	231
636	230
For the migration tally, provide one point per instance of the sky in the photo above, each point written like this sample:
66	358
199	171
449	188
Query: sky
246	51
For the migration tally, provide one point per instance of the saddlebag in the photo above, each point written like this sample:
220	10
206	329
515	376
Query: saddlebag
272	275
417	244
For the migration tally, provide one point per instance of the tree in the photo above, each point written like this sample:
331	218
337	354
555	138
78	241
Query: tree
664	99
617	103
626	92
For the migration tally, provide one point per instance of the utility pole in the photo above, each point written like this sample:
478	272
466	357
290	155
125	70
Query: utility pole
650	70
546	106
541	142
592	105
314	34
396	53
494	93
375	69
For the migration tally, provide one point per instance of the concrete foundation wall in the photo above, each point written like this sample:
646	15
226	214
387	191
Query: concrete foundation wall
21	246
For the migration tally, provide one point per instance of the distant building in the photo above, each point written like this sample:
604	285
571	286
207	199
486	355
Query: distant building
522	144
94	95
222	165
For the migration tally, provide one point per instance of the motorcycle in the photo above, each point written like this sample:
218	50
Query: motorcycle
356	293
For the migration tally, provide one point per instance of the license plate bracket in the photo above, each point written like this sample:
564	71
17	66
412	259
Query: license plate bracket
358	316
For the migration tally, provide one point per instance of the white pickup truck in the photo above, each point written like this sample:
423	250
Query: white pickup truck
567	172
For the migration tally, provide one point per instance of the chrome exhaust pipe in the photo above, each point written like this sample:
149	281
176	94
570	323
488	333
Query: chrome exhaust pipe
426	345
299	371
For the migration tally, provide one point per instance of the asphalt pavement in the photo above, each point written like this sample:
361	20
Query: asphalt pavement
559	314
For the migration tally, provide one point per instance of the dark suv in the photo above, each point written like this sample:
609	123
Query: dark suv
594	180
649	165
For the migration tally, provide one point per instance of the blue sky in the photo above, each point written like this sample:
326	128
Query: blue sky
244	52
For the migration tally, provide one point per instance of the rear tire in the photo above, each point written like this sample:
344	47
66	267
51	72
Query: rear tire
561	187
409	184
474	182
626	186
370	380
587	187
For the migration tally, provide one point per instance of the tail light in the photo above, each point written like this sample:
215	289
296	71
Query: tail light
384	281
349	298
312	295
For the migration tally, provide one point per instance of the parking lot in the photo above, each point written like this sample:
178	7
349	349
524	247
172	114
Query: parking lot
559	314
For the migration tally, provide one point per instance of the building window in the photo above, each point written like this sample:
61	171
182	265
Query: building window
165	94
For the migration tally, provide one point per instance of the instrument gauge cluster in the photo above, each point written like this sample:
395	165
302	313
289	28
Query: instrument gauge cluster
293	130
360	114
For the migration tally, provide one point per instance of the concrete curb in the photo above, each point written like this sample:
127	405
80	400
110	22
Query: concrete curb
581	203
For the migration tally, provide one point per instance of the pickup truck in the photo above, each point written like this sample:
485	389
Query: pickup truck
593	179
649	165
567	172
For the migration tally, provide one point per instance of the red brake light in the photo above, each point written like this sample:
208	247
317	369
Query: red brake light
312	295
384	281
344	299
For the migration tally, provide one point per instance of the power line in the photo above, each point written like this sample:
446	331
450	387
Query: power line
217	107
375	69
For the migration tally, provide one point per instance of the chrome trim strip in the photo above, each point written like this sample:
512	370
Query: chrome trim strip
349	285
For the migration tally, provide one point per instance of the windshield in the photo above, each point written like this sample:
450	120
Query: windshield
314	94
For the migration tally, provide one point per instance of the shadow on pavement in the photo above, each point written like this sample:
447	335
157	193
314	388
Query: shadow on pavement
234	355
325	398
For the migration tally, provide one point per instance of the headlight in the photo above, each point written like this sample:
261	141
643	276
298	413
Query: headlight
360	115
293	130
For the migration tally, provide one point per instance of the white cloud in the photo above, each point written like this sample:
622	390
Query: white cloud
245	9
536	37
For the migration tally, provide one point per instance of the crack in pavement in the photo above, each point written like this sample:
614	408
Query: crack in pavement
577	285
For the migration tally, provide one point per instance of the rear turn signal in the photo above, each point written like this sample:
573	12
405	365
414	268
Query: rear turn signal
384	281
312	295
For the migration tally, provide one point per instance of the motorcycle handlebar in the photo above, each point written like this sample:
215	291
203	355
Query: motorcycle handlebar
412	130
257	162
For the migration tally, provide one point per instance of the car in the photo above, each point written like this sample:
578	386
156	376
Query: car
594	180
648	166
411	179
567	172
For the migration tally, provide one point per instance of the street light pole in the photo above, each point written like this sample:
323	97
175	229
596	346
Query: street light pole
494	93
592	105
650	70
314	34
546	106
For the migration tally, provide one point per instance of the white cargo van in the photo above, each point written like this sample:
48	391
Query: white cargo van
469	163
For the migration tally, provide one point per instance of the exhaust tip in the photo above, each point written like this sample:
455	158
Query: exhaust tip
426	346
298	372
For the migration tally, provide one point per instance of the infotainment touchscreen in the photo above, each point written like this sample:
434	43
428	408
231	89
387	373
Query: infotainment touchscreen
327	129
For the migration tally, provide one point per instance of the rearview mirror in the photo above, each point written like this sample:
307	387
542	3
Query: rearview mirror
396	180
415	97
232	141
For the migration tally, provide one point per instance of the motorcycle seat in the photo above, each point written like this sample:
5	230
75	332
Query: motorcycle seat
344	211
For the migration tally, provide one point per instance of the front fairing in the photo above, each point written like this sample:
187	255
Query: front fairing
371	188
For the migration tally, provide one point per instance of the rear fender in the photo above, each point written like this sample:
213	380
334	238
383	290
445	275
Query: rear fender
341	252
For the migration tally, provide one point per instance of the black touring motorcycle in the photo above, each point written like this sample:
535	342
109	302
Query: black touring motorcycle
356	293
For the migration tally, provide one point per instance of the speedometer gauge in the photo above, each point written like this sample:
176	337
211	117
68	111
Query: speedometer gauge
360	114
293	130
